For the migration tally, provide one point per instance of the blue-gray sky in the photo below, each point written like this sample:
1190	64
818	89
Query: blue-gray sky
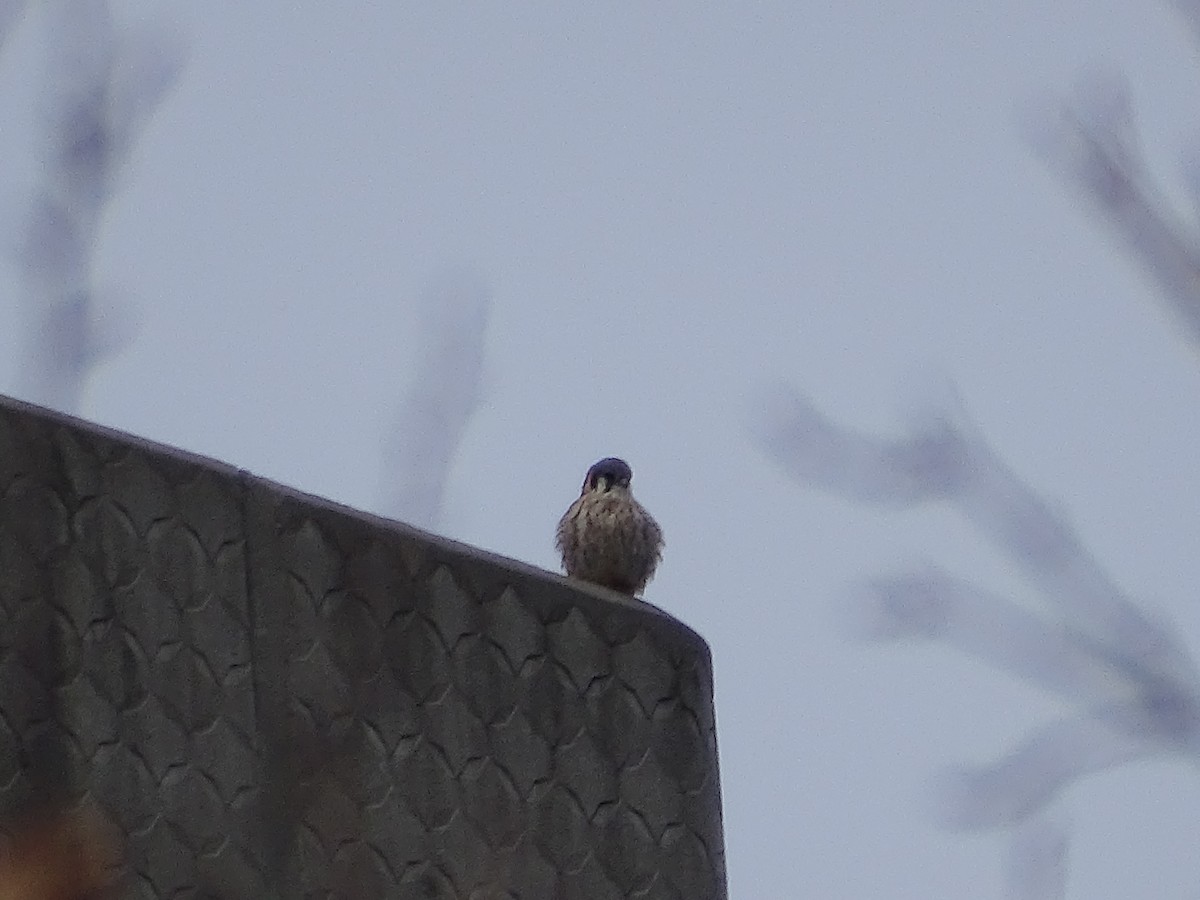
672	205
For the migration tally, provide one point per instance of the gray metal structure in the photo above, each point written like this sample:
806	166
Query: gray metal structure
274	696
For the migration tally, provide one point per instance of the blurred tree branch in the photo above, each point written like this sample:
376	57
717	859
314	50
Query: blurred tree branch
1092	146
1132	682
100	86
432	418
1130	678
1037	863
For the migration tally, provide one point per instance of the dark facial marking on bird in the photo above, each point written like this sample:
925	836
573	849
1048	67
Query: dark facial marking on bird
606	473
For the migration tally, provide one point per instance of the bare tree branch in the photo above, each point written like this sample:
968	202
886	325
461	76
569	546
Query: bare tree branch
1130	677
1030	776
1134	684
99	88
437	407
817	451
1037	862
990	628
1091	145
945	458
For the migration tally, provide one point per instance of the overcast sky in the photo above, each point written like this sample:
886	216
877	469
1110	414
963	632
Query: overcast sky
673	204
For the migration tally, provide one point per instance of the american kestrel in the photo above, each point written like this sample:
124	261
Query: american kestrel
606	536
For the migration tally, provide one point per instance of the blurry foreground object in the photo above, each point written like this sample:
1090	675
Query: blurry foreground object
607	537
62	855
100	86
1130	678
1091	143
1132	684
432	417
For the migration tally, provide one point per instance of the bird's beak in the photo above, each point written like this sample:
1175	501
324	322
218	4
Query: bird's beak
603	483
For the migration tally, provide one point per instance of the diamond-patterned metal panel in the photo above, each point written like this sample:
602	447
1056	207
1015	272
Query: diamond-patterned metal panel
271	695
125	650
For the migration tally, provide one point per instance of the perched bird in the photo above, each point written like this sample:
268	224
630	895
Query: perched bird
606	536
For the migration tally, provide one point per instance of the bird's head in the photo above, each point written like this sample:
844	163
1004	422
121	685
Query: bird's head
607	474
